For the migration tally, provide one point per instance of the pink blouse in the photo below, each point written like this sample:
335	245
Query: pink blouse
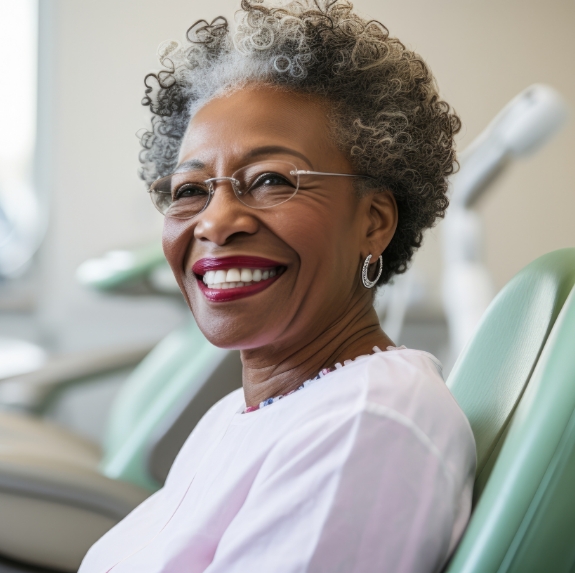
369	469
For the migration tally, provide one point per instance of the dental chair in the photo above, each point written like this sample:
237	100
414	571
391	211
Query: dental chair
515	381
60	493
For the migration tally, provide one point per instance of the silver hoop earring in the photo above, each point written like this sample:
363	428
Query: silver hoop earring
364	278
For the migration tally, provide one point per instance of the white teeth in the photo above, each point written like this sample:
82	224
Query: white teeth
234	278
209	277
220	277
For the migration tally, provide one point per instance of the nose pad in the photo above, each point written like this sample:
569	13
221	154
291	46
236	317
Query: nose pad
236	186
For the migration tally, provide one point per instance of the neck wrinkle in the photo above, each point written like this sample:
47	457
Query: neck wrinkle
284	370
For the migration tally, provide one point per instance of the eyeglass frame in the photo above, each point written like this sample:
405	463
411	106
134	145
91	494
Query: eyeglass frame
234	182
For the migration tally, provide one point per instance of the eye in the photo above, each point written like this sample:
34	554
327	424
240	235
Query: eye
190	190
270	180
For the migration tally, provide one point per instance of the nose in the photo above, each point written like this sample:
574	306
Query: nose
224	217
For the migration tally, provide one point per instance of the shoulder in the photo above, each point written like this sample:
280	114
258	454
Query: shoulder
405	380
390	412
402	386
407	387
409	382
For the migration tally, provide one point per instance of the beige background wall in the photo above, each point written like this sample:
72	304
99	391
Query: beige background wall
483	53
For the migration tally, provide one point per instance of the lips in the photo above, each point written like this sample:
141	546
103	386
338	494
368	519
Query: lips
230	278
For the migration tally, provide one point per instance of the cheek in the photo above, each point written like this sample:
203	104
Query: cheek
325	236
176	237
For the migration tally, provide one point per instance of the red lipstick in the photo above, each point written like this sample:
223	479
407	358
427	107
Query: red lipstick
224	295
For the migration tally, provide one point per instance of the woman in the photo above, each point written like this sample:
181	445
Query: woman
298	161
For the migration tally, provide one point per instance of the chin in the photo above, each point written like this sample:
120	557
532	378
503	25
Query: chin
236	326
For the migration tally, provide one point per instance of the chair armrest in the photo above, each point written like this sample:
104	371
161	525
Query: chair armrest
52	511
32	391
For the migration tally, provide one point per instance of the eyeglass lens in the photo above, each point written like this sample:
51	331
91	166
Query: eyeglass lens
259	185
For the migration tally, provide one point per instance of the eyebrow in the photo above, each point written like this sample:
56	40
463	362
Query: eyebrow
193	164
190	165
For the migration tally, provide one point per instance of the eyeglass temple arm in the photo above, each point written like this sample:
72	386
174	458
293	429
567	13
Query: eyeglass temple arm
302	172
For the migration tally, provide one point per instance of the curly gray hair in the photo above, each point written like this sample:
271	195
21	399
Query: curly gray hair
383	102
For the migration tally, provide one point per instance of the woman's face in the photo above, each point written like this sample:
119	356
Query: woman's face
315	242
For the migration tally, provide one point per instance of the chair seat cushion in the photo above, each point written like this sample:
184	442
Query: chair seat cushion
54	501
31	436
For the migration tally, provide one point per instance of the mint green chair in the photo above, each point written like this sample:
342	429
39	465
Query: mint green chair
161	402
516	383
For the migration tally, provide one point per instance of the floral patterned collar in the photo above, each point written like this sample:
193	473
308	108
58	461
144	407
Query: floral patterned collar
321	374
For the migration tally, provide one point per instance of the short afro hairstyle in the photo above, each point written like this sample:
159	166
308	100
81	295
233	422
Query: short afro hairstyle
383	102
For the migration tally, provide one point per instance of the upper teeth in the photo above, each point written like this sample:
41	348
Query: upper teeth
236	277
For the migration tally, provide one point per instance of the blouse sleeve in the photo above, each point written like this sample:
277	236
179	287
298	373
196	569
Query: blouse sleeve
377	498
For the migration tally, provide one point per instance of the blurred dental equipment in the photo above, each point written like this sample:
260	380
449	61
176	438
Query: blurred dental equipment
522	127
22	227
19	356
21	233
143	270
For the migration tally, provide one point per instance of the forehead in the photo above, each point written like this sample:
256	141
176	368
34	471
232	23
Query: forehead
228	127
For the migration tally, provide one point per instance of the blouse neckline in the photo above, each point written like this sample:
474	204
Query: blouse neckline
321	374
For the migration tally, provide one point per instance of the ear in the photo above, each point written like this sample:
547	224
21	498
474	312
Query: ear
381	222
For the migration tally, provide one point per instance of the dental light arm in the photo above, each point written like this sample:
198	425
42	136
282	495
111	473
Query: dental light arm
522	127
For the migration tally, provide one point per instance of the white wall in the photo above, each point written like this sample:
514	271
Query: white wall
482	53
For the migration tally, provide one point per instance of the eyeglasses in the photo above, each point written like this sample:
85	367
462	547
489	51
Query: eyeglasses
185	194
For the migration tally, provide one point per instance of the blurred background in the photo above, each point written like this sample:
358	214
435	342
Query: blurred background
72	81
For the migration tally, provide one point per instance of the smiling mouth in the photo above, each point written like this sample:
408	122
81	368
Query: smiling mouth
230	278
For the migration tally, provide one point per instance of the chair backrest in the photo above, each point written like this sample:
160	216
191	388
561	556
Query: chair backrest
161	402
492	372
516	383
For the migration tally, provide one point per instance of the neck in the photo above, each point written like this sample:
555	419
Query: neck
277	369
